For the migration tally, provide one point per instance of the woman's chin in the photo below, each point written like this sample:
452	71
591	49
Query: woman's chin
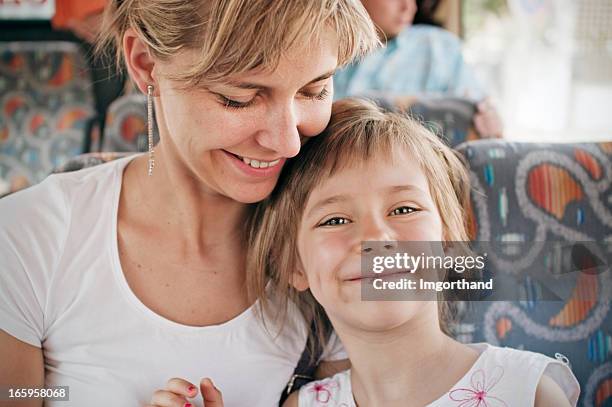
250	194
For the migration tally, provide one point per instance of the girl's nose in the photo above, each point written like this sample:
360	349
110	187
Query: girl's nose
377	236
370	246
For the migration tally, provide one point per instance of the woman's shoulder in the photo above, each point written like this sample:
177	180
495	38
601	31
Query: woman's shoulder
44	229
56	192
100	173
39	218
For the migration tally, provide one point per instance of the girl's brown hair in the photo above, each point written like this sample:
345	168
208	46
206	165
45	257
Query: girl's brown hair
236	36
358	131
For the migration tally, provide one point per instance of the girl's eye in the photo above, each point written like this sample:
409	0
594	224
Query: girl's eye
317	96
403	210
335	222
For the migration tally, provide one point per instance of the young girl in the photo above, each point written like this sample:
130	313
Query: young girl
373	176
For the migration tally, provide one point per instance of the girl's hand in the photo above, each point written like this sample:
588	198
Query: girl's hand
178	391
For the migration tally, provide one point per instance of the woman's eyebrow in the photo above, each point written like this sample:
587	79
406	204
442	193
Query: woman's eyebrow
256	86
323	77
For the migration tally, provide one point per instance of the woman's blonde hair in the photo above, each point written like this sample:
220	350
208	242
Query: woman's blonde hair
358	131
236	36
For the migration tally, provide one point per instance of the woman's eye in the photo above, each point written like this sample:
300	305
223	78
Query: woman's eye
403	210
234	104
335	222
317	96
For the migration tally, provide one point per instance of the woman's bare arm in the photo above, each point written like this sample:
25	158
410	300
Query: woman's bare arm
21	365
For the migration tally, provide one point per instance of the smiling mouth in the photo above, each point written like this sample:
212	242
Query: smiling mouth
254	163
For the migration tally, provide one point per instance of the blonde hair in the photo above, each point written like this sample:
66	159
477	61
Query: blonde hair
236	36
358	131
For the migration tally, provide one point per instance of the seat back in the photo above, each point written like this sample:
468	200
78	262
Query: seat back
126	125
531	192
46	109
451	118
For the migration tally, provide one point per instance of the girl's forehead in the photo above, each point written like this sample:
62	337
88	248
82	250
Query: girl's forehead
391	160
380	173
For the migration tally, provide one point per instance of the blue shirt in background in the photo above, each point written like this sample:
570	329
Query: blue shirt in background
420	60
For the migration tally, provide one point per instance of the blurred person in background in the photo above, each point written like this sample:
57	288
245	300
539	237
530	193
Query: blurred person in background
418	60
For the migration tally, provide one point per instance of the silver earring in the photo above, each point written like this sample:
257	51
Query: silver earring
150	128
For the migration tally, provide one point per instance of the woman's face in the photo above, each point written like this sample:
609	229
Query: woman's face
234	137
391	16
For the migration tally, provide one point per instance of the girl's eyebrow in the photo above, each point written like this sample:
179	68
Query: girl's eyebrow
327	201
250	85
405	188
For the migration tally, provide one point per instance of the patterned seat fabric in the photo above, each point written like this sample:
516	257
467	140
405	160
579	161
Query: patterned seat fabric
529	192
47	106
126	124
449	117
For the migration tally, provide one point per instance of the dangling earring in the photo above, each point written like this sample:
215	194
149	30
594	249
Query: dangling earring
150	127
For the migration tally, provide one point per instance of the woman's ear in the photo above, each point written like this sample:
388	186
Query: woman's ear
138	60
298	279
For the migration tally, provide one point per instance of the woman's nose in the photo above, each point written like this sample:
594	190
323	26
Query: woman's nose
281	134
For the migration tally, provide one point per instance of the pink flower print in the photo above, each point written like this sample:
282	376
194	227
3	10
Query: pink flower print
480	393
323	391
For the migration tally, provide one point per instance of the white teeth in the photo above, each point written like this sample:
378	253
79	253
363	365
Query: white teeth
259	164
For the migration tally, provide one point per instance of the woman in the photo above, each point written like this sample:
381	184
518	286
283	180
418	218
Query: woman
105	268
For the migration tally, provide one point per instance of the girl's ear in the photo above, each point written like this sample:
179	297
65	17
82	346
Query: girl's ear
298	279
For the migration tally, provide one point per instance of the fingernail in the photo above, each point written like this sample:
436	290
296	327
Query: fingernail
187	405
190	389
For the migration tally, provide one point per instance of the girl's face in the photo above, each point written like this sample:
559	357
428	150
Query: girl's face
233	138
391	16
381	200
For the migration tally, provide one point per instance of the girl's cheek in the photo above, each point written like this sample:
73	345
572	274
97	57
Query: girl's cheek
427	228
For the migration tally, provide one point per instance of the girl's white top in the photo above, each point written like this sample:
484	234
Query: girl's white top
500	377
62	289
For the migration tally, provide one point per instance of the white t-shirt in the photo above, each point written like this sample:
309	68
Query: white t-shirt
62	289
500	377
